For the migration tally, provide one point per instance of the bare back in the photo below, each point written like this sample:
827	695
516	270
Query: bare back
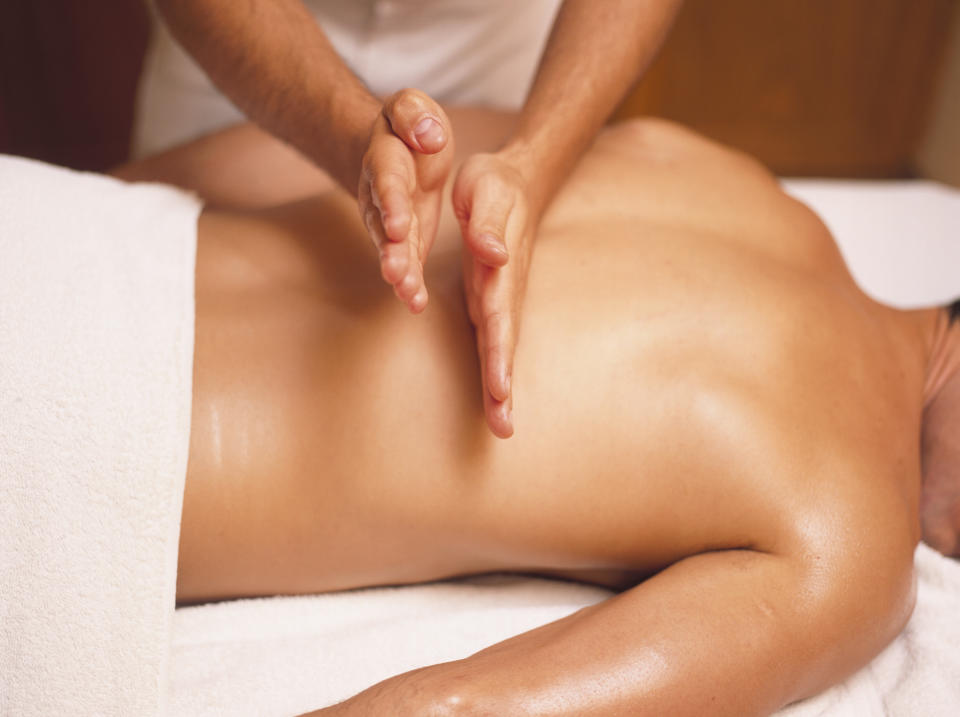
693	372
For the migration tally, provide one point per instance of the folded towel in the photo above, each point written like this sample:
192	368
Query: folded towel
96	358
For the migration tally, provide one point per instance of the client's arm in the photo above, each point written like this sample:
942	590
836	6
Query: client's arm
734	632
241	167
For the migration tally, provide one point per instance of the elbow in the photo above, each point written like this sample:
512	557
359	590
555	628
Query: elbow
856	595
867	577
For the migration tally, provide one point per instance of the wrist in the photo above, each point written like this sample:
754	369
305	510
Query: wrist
339	143
534	173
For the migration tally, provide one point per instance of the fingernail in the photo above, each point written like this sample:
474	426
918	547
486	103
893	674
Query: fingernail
428	131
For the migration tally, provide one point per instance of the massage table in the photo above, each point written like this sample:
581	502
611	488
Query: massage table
94	404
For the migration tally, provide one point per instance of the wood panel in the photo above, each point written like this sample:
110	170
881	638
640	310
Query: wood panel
68	72
826	87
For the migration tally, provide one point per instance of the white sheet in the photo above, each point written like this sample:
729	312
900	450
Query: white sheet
282	656
900	239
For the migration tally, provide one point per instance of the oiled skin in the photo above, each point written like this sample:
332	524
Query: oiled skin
696	372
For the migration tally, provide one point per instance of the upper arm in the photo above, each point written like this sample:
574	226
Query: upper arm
241	167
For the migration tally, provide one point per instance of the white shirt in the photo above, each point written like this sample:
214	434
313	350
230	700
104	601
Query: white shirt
481	52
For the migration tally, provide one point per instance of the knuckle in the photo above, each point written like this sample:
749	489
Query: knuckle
488	227
407	103
493	316
411	94
390	181
381	181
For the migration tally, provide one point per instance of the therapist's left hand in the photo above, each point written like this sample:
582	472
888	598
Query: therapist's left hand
404	170
498	221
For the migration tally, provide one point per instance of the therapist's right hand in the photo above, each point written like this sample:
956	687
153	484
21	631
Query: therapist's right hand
403	174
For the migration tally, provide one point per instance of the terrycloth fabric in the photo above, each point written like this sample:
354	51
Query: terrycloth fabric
919	673
285	656
96	356
288	655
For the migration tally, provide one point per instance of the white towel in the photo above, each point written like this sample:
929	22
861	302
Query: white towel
96	357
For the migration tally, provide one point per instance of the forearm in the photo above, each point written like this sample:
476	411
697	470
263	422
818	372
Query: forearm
275	63
595	53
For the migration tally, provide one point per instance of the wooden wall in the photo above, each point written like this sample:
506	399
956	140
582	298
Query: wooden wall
828	87
939	156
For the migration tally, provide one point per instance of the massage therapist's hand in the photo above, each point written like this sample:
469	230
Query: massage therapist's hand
498	219
401	185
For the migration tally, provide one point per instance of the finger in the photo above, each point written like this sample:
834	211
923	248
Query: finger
497	322
394	256
497	329
474	279
418	120
497	413
490	209
418	301
497	403
411	288
371	216
394	262
390	194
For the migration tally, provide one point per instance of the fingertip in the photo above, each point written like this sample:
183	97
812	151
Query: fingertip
396	225
500	419
419	301
408	287
490	250
393	265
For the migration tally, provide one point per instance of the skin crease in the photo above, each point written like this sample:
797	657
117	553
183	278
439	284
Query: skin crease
699	402
277	65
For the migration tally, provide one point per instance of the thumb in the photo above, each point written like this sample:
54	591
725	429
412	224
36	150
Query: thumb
418	120
489	208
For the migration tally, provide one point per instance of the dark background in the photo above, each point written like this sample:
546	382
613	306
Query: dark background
812	87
